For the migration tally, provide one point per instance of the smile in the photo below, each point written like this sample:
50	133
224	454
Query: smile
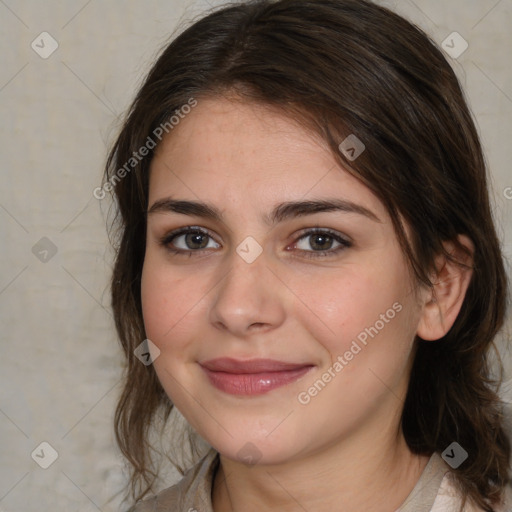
252	377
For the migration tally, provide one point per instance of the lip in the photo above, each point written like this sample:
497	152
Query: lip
253	376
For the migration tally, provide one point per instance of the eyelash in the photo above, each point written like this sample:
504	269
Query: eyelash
168	238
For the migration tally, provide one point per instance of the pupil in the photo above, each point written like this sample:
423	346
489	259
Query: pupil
324	238
195	238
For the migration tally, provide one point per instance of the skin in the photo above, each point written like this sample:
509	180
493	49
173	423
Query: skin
346	443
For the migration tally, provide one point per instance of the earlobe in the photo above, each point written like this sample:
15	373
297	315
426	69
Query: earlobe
442	305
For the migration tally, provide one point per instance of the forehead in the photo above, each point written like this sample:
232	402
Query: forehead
236	153
226	130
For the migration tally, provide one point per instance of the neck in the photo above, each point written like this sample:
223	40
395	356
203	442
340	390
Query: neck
372	472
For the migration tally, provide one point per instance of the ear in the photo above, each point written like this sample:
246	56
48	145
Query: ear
441	306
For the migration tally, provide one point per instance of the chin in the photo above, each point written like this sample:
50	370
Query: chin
256	450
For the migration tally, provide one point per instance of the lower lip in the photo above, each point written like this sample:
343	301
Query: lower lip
253	383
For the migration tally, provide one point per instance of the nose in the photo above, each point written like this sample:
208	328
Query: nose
250	298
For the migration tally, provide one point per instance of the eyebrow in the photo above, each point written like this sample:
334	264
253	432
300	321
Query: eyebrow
280	212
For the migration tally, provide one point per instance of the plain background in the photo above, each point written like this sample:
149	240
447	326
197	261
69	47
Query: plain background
60	362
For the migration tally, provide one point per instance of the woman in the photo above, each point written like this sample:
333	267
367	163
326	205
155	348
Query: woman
308	267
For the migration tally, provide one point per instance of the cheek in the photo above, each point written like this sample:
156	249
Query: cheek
368	341
168	304
154	302
338	309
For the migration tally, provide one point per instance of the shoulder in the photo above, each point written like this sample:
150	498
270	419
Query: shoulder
449	500
195	485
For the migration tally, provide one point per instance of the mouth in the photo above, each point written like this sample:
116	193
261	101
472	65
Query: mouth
252	377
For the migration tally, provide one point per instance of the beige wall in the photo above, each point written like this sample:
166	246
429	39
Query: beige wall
60	364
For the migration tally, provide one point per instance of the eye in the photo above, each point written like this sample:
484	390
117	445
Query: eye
187	240
321	241
193	239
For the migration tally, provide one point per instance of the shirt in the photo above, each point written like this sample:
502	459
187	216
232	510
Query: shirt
434	491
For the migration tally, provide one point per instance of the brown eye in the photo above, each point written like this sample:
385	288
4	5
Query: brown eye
321	242
187	240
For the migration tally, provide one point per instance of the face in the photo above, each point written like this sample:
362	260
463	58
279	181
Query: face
323	293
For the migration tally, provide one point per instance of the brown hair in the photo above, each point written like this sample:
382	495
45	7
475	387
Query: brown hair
342	67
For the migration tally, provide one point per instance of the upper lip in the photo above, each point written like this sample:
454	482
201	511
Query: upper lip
230	365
